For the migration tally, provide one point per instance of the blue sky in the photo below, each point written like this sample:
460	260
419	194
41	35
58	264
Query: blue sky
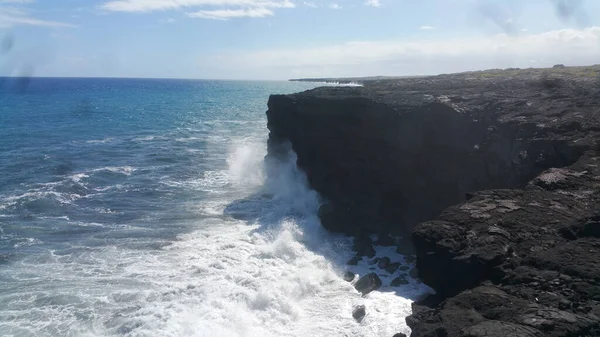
280	39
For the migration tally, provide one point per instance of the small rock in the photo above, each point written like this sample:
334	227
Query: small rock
392	267
564	304
414	273
354	261
410	258
359	312
404	268
399	335
384	262
368	283
398	281
385	240
349	276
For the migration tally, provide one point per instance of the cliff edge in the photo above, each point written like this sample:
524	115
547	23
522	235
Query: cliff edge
495	174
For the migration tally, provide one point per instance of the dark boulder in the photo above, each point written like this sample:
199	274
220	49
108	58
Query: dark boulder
398	281
384	262
349	276
359	312
392	267
363	246
354	261
368	283
399	335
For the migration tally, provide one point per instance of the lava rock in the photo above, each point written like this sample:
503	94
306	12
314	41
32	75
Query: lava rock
349	276
384	262
398	281
359	312
354	261
414	273
392	267
368	283
363	246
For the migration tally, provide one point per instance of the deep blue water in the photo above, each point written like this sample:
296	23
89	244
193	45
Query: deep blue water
133	207
80	151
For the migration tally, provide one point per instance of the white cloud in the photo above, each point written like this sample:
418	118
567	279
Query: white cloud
226	14
373	3
166	20
414	57
12	16
426	28
207	9
334	6
157	5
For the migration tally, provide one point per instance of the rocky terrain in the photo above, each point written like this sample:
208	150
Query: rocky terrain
493	176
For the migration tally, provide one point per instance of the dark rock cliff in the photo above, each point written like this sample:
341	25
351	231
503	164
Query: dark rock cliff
496	177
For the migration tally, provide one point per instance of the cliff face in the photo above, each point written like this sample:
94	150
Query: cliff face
497	178
394	153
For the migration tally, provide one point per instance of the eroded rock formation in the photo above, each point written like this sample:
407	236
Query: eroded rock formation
497	178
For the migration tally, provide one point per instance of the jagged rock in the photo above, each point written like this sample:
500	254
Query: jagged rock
395	153
392	267
516	153
384	262
363	246
399	335
359	312
368	283
354	261
349	276
398	281
410	258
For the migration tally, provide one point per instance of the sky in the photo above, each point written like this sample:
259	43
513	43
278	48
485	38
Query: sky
282	39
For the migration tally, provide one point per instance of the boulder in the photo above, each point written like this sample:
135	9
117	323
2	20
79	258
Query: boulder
368	283
354	261
384	262
359	312
398	281
392	267
349	276
363	246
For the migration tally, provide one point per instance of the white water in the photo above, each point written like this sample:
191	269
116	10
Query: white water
272	272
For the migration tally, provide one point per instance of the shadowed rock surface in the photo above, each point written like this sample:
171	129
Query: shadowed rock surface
494	173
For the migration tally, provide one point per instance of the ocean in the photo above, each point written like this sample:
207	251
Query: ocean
142	207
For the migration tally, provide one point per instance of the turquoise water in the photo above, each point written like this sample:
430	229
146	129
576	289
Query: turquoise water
142	208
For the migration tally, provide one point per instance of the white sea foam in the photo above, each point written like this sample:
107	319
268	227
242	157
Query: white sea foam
126	170
100	141
275	273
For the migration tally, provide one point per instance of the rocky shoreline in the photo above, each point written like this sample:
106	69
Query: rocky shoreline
492	176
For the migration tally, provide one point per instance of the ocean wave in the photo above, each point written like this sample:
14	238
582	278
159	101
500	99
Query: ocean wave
100	141
126	170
